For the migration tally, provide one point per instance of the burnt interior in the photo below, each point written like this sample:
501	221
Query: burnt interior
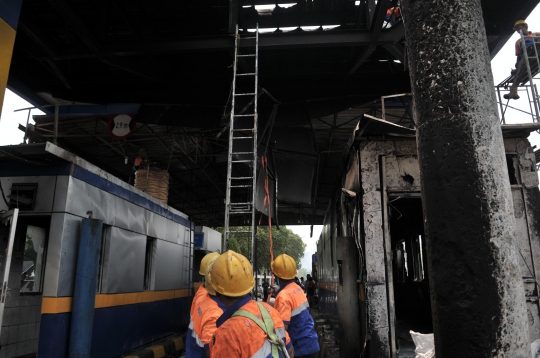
410	271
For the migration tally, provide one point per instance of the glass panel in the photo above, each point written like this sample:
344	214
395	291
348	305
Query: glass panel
33	259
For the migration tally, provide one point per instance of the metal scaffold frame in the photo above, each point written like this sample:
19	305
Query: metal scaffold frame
531	62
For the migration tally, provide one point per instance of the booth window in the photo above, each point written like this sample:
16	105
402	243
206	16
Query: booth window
101	263
33	259
148	262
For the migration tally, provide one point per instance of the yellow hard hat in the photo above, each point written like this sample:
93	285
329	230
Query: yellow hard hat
211	257
284	267
520	22
208	280
232	275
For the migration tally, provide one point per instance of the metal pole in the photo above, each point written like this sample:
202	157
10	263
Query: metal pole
255	158
388	260
477	293
3	292
230	158
26	128
84	293
56	110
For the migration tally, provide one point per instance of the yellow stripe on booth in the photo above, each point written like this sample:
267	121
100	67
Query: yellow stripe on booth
54	305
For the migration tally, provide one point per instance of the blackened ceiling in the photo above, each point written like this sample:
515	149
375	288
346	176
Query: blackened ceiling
173	58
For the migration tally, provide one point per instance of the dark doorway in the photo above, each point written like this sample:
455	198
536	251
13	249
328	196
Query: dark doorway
410	271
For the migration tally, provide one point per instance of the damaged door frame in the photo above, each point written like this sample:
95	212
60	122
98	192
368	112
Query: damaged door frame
388	259
386	193
8	218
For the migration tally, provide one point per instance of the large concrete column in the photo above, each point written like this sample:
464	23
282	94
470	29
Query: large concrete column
476	290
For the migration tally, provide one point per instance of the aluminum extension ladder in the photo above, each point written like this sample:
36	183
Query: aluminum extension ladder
241	185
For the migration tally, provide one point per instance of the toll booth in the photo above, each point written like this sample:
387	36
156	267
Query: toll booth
143	280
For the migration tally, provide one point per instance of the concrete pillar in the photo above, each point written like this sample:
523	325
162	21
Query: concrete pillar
478	303
9	19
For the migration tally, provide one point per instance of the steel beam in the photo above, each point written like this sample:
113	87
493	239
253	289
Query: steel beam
276	41
375	31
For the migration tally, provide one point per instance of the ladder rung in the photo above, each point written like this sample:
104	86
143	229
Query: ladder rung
244	94
248	38
243	115
241	186
241	161
241	178
248	55
246	74
243	130
242	138
238	153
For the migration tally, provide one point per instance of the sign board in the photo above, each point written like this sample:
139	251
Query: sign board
121	126
199	240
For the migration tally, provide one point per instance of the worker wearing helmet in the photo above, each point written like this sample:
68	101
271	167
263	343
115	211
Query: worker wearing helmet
205	262
247	328
294	308
522	28
207	309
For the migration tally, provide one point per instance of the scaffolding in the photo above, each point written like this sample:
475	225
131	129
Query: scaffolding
526	83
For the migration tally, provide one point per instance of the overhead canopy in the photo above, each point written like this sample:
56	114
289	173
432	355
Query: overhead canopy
167	63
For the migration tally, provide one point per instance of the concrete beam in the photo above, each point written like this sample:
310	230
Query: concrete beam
478	299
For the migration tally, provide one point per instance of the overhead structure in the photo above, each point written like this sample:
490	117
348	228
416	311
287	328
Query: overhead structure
167	64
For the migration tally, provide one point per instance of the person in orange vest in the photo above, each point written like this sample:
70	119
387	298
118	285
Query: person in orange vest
247	328
207	309
293	307
521	27
393	14
192	340
141	160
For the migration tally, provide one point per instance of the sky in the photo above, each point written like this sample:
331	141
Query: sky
501	65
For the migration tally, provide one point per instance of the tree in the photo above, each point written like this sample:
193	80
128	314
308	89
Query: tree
284	242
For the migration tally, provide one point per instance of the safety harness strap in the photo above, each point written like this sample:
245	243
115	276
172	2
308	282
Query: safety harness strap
267	325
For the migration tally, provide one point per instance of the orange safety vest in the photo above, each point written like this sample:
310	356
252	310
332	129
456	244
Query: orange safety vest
203	325
294	310
241	337
200	292
395	11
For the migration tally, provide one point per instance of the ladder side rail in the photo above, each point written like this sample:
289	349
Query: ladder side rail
229	162
255	122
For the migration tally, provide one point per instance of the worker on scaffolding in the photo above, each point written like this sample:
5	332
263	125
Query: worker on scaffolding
522	28
294	308
206	310
247	328
141	160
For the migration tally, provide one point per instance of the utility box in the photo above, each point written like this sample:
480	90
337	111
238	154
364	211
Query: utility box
207	239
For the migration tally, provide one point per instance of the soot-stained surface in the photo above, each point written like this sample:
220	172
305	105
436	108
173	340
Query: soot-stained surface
477	292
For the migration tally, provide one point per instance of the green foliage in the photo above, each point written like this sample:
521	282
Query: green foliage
284	242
